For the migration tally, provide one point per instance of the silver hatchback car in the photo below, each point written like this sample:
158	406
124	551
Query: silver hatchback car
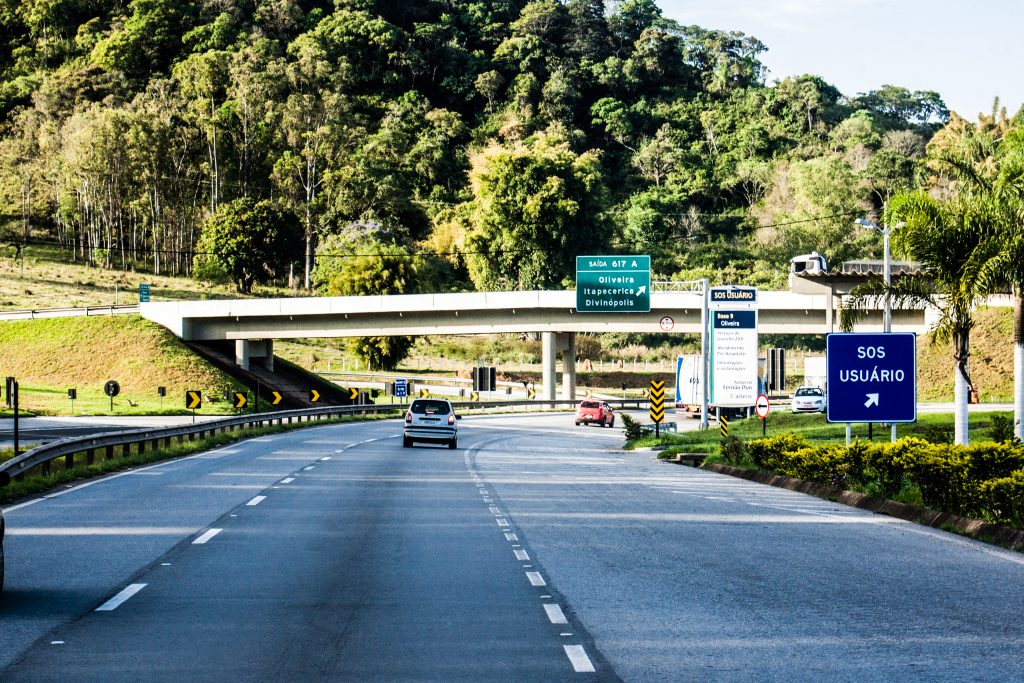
431	420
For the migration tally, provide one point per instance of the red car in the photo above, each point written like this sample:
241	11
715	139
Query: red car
596	412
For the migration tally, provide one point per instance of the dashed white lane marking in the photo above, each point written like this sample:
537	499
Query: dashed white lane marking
207	536
536	579
578	658
510	536
326	457
288	480
308	468
521	555
119	599
502	522
57	642
555	614
256	501
494	510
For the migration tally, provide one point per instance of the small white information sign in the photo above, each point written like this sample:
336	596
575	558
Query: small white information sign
734	347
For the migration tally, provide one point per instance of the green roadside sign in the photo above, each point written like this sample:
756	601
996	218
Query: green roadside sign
143	293
613	284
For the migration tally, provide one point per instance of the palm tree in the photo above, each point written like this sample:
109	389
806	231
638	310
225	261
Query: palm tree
989	167
952	242
1005	270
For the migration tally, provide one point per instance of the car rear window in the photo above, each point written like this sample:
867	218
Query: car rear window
429	407
810	392
590	404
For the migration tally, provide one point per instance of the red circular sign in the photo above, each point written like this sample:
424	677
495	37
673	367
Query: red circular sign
761	406
667	323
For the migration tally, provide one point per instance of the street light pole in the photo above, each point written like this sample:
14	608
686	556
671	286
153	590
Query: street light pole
886	231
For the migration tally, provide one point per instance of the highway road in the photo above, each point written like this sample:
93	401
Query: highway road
536	551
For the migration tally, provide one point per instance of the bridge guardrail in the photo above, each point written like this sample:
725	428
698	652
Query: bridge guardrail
68	448
37	313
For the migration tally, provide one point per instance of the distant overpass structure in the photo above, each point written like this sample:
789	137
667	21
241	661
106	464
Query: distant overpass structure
253	324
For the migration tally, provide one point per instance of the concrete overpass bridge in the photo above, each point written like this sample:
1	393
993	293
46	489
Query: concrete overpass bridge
253	324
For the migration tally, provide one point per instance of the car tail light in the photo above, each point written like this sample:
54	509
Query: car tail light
451	418
408	418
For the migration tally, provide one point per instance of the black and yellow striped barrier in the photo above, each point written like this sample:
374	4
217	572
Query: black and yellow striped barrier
723	426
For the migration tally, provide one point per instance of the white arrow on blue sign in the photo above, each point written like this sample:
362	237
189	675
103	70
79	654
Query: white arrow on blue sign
871	377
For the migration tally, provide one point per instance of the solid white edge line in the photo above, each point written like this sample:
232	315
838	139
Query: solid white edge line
555	614
210	533
578	658
256	501
119	599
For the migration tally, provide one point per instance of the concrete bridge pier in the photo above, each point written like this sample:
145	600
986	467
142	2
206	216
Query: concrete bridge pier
553	343
258	349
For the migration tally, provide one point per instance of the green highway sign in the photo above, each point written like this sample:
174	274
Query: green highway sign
144	293
613	284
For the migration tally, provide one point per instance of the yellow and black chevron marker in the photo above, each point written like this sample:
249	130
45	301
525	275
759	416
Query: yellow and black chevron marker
644	393
657	401
723	426
424	393
277	398
193	399
353	393
241	399
314	395
531	393
590	393
474	396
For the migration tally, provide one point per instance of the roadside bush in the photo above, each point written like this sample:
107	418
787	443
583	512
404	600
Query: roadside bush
1001	430
733	451
983	481
631	427
1003	499
768	454
886	466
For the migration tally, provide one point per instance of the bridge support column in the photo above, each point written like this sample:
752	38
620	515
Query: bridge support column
268	359
242	353
549	354
567	345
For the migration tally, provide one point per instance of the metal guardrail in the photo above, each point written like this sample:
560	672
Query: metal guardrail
69	312
68	448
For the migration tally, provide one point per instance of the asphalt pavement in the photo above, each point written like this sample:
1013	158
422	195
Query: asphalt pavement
537	551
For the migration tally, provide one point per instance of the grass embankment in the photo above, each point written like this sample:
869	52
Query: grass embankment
991	360
50	356
48	277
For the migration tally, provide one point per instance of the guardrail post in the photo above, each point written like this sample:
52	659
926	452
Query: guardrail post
110	453
142	447
46	468
69	461
126	451
90	456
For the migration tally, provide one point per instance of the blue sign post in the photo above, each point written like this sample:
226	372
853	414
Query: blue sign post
872	377
401	388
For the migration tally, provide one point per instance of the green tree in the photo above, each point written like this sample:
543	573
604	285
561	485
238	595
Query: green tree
347	267
251	242
534	210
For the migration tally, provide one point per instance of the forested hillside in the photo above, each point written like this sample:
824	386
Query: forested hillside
369	146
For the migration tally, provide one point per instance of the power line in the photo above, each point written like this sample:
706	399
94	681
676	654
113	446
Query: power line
455	253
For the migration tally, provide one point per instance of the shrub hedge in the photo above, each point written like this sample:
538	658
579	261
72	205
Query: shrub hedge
984	481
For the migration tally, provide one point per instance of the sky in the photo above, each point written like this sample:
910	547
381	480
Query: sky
969	51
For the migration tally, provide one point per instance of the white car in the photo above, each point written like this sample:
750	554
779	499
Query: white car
808	400
432	420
